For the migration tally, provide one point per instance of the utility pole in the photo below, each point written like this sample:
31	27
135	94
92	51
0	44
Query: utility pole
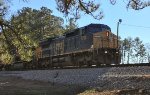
117	52
119	22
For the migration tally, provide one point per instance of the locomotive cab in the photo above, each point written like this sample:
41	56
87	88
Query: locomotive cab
102	40
105	43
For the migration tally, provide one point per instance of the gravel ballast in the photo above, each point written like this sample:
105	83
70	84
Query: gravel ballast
104	78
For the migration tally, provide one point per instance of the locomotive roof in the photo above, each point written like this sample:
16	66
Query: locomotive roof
46	41
92	28
89	27
49	40
97	25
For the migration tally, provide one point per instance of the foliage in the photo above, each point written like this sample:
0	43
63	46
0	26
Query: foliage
35	25
38	24
133	49
138	4
127	46
76	7
26	29
148	51
3	7
72	25
5	57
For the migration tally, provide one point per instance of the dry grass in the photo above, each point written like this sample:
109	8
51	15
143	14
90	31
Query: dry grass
116	92
96	92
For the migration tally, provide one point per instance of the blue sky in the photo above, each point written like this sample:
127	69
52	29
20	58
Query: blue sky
134	23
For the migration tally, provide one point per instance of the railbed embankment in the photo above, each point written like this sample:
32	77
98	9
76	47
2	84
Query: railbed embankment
109	77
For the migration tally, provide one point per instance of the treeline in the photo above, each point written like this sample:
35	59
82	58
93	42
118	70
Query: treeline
133	50
25	29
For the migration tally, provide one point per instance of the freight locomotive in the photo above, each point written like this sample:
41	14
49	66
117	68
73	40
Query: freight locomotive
90	45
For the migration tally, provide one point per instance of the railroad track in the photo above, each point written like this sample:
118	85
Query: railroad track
133	64
104	66
85	66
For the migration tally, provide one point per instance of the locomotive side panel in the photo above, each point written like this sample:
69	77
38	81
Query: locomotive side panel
78	43
71	44
86	41
58	46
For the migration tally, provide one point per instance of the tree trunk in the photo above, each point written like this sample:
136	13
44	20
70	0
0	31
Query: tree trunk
128	58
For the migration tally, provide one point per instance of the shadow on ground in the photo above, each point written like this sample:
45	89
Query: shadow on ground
17	86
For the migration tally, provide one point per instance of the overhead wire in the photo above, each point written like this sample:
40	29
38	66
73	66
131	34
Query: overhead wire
135	26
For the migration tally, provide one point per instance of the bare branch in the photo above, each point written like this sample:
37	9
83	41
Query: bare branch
113	2
138	4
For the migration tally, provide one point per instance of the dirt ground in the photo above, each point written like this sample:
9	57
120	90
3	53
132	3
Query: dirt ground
117	92
17	86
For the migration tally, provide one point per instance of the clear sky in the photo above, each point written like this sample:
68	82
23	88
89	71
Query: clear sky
134	23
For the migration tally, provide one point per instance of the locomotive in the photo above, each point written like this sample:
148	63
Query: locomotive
90	45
